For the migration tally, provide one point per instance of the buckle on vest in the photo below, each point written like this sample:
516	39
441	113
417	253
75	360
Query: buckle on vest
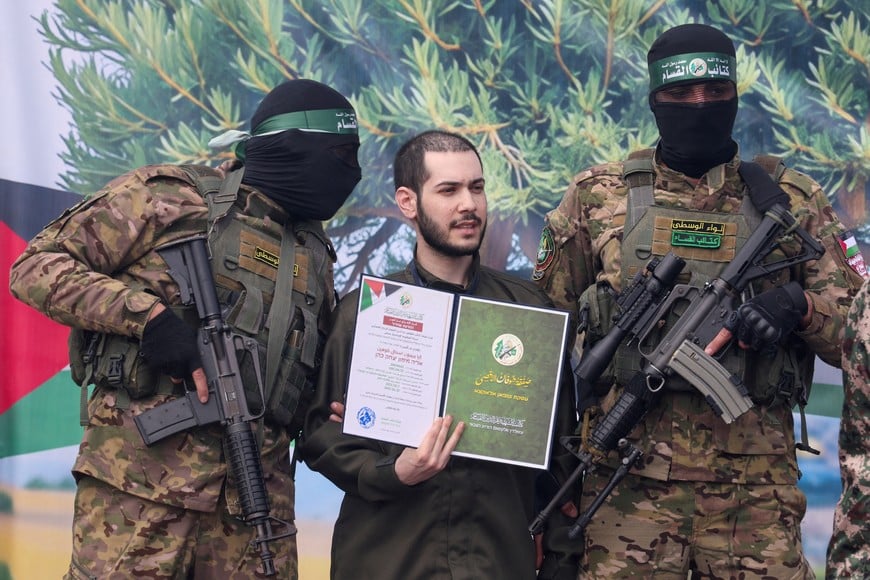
583	319
116	367
91	350
787	389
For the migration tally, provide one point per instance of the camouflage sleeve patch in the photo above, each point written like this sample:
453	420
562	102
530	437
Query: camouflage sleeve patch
95	267
831	280
569	252
852	253
546	253
801	182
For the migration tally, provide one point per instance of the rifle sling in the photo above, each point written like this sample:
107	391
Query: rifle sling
763	190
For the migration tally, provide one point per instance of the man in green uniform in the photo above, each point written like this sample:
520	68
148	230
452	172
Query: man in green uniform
718	498
169	510
418	513
849	550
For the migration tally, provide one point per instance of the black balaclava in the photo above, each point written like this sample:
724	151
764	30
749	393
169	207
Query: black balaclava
303	152
694	137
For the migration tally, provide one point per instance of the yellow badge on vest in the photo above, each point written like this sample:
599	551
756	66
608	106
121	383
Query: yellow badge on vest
271	259
266	257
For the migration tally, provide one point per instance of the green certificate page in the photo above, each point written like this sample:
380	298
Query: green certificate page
504	375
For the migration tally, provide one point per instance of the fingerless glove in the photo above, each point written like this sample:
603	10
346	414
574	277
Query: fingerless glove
170	345
764	321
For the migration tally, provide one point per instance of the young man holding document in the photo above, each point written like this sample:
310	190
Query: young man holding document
420	512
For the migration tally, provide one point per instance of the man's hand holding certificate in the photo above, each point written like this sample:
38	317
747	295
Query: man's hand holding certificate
420	353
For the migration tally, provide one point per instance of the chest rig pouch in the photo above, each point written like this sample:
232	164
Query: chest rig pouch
707	241
273	281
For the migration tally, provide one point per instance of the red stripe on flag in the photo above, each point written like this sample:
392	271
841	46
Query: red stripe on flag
376	285
32	346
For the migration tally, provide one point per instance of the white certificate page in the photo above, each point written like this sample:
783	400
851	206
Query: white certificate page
398	361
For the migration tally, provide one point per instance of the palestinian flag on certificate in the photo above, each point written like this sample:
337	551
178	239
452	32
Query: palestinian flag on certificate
373	291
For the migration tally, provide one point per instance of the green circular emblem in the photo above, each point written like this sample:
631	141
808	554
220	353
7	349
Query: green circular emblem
546	254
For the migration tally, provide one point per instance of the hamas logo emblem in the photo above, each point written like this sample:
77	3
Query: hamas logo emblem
546	254
507	350
698	67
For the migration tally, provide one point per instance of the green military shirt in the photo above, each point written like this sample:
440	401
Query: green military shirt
469	521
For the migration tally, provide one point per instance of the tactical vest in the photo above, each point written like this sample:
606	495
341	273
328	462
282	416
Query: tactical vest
707	241
254	259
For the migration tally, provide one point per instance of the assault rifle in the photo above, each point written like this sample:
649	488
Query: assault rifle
680	351
189	266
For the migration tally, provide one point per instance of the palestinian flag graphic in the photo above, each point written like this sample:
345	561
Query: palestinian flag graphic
849	245
373	291
35	390
852	253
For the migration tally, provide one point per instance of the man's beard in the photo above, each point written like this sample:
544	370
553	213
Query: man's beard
437	237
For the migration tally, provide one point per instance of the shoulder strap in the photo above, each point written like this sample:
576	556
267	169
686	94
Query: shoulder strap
219	192
638	173
220	195
322	255
762	176
772	164
281	311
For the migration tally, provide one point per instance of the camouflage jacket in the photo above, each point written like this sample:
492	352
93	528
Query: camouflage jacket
849	551
96	268
681	435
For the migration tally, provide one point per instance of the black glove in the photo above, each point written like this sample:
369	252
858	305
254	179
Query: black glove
561	554
559	567
767	319
169	345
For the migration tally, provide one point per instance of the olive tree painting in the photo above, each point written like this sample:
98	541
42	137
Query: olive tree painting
544	88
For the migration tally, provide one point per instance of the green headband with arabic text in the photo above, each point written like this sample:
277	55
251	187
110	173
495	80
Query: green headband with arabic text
334	121
693	66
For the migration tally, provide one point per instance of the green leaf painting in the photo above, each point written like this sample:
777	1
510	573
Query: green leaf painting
544	88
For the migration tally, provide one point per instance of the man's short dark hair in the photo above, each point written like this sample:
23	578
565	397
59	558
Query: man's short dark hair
409	169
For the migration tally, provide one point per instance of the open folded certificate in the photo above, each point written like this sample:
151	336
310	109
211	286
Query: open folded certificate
420	353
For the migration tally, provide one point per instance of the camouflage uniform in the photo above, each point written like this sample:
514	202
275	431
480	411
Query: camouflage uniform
849	550
702	481
146	511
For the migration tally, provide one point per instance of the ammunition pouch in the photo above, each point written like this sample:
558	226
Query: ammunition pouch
111	361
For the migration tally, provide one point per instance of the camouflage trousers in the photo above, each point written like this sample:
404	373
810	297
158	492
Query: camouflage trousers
117	535
656	529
